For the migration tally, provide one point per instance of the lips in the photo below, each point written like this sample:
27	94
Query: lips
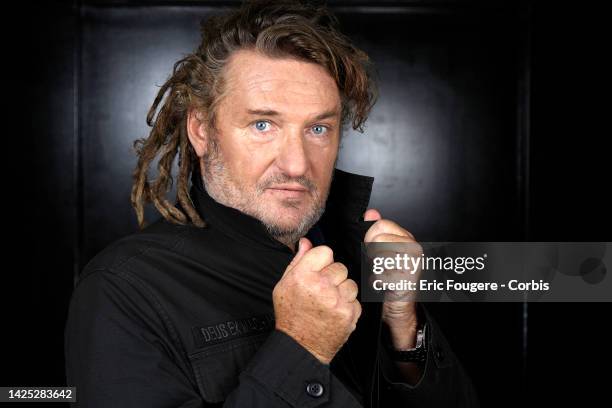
289	188
288	191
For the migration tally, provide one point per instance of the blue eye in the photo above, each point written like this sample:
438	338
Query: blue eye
319	130
261	125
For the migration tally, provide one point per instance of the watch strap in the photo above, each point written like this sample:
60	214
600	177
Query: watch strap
418	354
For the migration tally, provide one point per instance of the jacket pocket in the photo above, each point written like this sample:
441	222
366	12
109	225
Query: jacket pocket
217	367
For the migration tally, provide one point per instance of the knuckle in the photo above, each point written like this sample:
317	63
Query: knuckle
358	309
352	285
326	251
331	301
347	291
339	268
385	225
319	285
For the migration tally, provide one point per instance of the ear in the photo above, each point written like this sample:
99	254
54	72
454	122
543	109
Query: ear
197	132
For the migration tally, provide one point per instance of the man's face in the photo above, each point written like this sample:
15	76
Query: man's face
278	130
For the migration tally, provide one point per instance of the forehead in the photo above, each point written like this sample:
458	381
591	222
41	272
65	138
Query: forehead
282	84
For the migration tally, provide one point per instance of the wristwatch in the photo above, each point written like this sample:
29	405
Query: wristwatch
418	354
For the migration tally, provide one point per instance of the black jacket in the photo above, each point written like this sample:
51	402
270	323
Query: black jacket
180	316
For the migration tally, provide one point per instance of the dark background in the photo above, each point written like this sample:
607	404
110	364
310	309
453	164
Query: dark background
491	126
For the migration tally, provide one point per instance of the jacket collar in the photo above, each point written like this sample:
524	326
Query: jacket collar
348	199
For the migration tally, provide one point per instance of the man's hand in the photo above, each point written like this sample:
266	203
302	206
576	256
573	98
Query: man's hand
315	303
399	315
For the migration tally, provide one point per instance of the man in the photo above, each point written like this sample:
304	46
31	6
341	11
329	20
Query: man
244	293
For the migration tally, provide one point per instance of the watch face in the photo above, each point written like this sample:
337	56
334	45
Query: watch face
420	338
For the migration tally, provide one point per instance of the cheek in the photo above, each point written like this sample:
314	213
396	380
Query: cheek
249	161
322	163
322	156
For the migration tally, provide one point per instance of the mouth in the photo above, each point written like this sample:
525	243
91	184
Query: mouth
289	187
288	191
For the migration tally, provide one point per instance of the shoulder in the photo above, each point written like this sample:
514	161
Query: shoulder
120	281
164	261
140	247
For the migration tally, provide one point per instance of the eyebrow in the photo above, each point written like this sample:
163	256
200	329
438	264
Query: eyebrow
271	112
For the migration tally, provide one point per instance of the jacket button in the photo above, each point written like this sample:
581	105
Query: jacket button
314	389
439	354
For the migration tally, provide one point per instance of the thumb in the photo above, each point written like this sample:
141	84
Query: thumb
372	214
304	245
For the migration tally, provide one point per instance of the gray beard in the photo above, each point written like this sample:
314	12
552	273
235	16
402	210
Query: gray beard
223	189
290	236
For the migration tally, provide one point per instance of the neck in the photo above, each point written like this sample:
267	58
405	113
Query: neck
290	242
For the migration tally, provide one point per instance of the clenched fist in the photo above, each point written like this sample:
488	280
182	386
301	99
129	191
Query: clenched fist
315	303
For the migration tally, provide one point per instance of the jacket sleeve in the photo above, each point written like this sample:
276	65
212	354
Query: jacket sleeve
283	369
443	383
119	353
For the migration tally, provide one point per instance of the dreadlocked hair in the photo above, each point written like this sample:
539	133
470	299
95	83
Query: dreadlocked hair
275	28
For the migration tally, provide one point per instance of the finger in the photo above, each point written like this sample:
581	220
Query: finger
372	214
385	227
395	244
316	258
389	250
304	245
399	239
336	273
348	290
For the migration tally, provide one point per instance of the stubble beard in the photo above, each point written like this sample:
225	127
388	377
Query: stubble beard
225	189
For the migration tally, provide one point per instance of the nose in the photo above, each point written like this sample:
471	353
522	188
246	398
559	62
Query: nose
292	157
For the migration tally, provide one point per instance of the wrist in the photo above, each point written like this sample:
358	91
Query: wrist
414	350
403	335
